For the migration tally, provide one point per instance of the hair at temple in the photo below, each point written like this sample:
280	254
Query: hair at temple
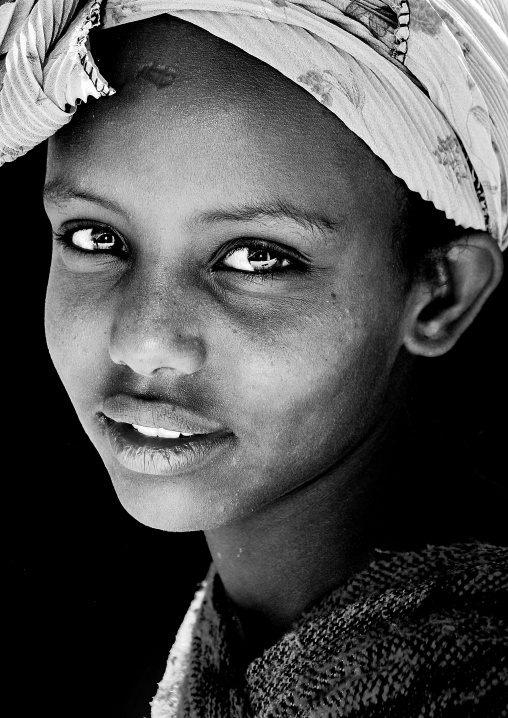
422	237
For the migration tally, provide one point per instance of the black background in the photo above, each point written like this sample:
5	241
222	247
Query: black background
94	598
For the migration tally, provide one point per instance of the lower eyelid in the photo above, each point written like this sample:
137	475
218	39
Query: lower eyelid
74	255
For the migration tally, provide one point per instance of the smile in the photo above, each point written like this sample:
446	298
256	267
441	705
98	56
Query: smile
161	433
159	454
159	439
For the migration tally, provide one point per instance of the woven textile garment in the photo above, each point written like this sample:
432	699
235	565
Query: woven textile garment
423	82
414	635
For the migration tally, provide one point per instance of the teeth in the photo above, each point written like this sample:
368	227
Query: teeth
146	430
166	434
162	433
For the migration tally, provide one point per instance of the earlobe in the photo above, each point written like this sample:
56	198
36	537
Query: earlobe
440	310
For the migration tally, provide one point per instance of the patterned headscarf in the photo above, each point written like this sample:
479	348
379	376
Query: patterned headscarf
423	82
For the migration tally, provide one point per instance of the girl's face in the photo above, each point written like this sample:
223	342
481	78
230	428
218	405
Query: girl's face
222	266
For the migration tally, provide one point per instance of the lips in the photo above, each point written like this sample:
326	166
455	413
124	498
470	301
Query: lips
160	455
158	415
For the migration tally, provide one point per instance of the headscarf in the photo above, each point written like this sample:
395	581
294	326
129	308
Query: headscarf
423	82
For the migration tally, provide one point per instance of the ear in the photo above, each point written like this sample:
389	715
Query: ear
440	310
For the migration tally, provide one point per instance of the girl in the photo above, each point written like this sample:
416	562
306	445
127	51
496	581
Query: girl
277	207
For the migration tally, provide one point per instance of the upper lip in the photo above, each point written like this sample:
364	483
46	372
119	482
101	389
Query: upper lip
158	414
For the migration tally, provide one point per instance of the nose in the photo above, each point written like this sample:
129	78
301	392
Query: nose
154	329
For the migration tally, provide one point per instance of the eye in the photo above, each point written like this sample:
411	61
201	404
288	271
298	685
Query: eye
262	259
92	240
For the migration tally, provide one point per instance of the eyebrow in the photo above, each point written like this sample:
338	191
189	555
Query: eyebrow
277	209
58	192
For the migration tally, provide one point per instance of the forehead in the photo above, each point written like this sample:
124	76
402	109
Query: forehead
191	106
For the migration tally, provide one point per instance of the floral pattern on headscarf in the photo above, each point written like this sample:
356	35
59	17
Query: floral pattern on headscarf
423	82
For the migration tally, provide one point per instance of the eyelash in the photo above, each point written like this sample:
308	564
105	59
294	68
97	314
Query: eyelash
65	239
297	264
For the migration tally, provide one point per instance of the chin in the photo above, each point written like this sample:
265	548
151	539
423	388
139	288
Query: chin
170	506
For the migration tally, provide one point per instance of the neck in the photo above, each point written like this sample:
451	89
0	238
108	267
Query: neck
278	561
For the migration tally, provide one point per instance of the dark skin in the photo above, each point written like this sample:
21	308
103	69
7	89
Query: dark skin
307	369
278	562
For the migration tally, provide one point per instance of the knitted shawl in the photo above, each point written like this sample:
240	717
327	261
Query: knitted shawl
415	634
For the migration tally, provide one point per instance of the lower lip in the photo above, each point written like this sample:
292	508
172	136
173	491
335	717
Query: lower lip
157	456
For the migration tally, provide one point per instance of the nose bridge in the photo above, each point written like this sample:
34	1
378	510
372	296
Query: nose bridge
156	326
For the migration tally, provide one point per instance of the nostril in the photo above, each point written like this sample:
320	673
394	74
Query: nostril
151	332
174	353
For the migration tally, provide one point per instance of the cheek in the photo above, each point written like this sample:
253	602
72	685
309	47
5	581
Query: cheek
300	394
76	334
320	374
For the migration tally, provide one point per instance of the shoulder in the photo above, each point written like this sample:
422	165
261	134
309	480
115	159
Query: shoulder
416	633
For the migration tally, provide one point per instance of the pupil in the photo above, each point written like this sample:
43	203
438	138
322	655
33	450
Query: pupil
259	255
105	240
